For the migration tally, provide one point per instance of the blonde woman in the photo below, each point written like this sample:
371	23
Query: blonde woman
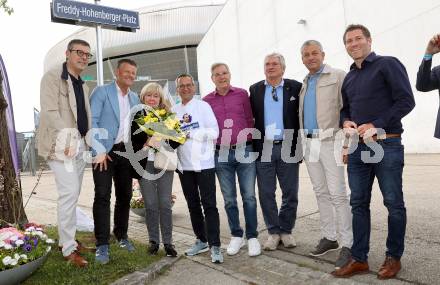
156	192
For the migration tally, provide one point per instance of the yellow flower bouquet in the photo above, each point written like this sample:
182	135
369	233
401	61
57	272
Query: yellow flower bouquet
160	123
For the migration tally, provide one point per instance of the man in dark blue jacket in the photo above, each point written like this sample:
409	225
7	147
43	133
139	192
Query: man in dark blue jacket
427	79
376	95
274	103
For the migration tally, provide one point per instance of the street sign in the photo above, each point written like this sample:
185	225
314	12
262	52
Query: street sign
85	14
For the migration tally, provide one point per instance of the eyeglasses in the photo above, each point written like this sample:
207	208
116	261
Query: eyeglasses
185	86
80	53
274	94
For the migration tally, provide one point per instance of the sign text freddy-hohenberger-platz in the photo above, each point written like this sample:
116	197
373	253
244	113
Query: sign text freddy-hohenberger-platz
79	13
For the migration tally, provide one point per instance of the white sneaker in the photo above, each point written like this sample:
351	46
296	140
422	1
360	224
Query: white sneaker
272	242
234	245
288	240
254	247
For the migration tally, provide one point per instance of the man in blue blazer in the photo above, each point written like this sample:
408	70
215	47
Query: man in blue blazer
110	105
427	79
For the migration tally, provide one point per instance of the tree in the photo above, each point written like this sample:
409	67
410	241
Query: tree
6	8
11	200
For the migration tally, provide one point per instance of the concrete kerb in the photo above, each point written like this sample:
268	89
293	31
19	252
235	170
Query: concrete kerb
148	274
237	275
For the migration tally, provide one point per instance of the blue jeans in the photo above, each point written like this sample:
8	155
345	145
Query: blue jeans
246	179
282	221
361	176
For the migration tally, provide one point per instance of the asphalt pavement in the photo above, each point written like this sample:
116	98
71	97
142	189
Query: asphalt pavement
421	260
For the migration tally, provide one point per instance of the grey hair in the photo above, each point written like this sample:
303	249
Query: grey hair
280	58
184	75
310	43
217	64
77	42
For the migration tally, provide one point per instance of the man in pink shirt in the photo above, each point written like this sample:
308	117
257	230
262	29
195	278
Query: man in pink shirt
233	112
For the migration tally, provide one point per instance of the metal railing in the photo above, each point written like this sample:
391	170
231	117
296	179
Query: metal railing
29	159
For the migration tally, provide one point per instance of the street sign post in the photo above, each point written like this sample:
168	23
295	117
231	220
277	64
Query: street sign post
85	14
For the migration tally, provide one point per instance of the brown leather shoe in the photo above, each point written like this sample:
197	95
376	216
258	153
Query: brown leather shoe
81	248
76	259
389	268
353	267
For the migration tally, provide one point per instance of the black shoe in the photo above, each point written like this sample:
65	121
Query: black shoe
344	258
153	248
169	250
324	246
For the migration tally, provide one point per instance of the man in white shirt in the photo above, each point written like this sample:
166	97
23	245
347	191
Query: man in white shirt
110	105
197	178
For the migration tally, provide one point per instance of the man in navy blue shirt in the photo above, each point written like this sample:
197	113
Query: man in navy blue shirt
376	95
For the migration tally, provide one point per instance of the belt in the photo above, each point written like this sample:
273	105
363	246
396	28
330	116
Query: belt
379	138
119	146
234	146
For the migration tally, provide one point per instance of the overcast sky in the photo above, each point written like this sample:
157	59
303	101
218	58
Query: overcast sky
25	38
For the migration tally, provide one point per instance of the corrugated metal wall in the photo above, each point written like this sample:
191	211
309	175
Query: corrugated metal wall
162	26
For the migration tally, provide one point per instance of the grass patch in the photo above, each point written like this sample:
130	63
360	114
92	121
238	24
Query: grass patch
57	271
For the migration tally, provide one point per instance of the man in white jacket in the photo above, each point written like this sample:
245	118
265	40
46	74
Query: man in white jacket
197	178
65	121
320	102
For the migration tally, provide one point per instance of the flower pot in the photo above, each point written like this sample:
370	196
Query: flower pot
18	274
138	211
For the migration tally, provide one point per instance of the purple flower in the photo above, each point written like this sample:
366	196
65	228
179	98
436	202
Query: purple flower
27	238
27	247
35	241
